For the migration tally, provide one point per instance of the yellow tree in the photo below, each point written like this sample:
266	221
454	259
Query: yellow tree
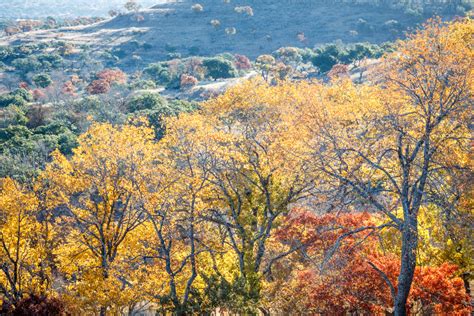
395	147
99	187
20	255
242	146
177	192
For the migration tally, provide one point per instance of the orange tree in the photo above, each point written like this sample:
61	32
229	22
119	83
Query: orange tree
350	281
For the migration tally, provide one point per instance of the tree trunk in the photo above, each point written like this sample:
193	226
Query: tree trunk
408	264
103	311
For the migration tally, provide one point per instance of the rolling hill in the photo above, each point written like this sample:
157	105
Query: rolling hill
240	26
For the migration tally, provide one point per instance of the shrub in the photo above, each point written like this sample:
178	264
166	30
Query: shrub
242	62
98	87
197	7
265	64
219	68
38	94
69	88
158	73
329	55
188	81
215	23
25	65
146	101
50	61
143	84
13	115
231	30
244	10
23	93
39	306
42	80
112	76
19	98
338	71
289	55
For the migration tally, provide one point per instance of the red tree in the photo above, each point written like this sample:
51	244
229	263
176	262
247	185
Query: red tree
112	76
98	87
354	277
242	62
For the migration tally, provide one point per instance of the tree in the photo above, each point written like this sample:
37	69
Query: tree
177	195
351	280
187	81
112	76
98	87
42	80
132	6
242	62
328	56
19	97
146	101
266	64
25	65
99	185
389	153
159	73
219	68
18	228
244	151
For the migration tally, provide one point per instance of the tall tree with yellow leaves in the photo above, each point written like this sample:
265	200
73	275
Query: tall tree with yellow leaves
242	147
20	259
100	188
176	194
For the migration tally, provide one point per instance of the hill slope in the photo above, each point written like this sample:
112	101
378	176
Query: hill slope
174	27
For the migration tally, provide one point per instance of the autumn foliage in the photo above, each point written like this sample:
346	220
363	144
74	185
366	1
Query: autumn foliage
276	197
350	279
105	79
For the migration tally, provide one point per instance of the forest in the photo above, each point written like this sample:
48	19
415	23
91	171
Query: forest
334	180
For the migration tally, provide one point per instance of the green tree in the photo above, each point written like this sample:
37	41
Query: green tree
219	68
42	80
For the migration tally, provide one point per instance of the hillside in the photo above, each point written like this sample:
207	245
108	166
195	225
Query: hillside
174	27
15	9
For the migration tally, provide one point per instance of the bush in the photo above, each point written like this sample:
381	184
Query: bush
23	93
146	101
50	61
219	68
112	76
19	97
244	10
197	7
98	87
25	65
158	72
13	115
42	80
289	55
39	306
328	56
143	84
187	81
242	62
156	115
